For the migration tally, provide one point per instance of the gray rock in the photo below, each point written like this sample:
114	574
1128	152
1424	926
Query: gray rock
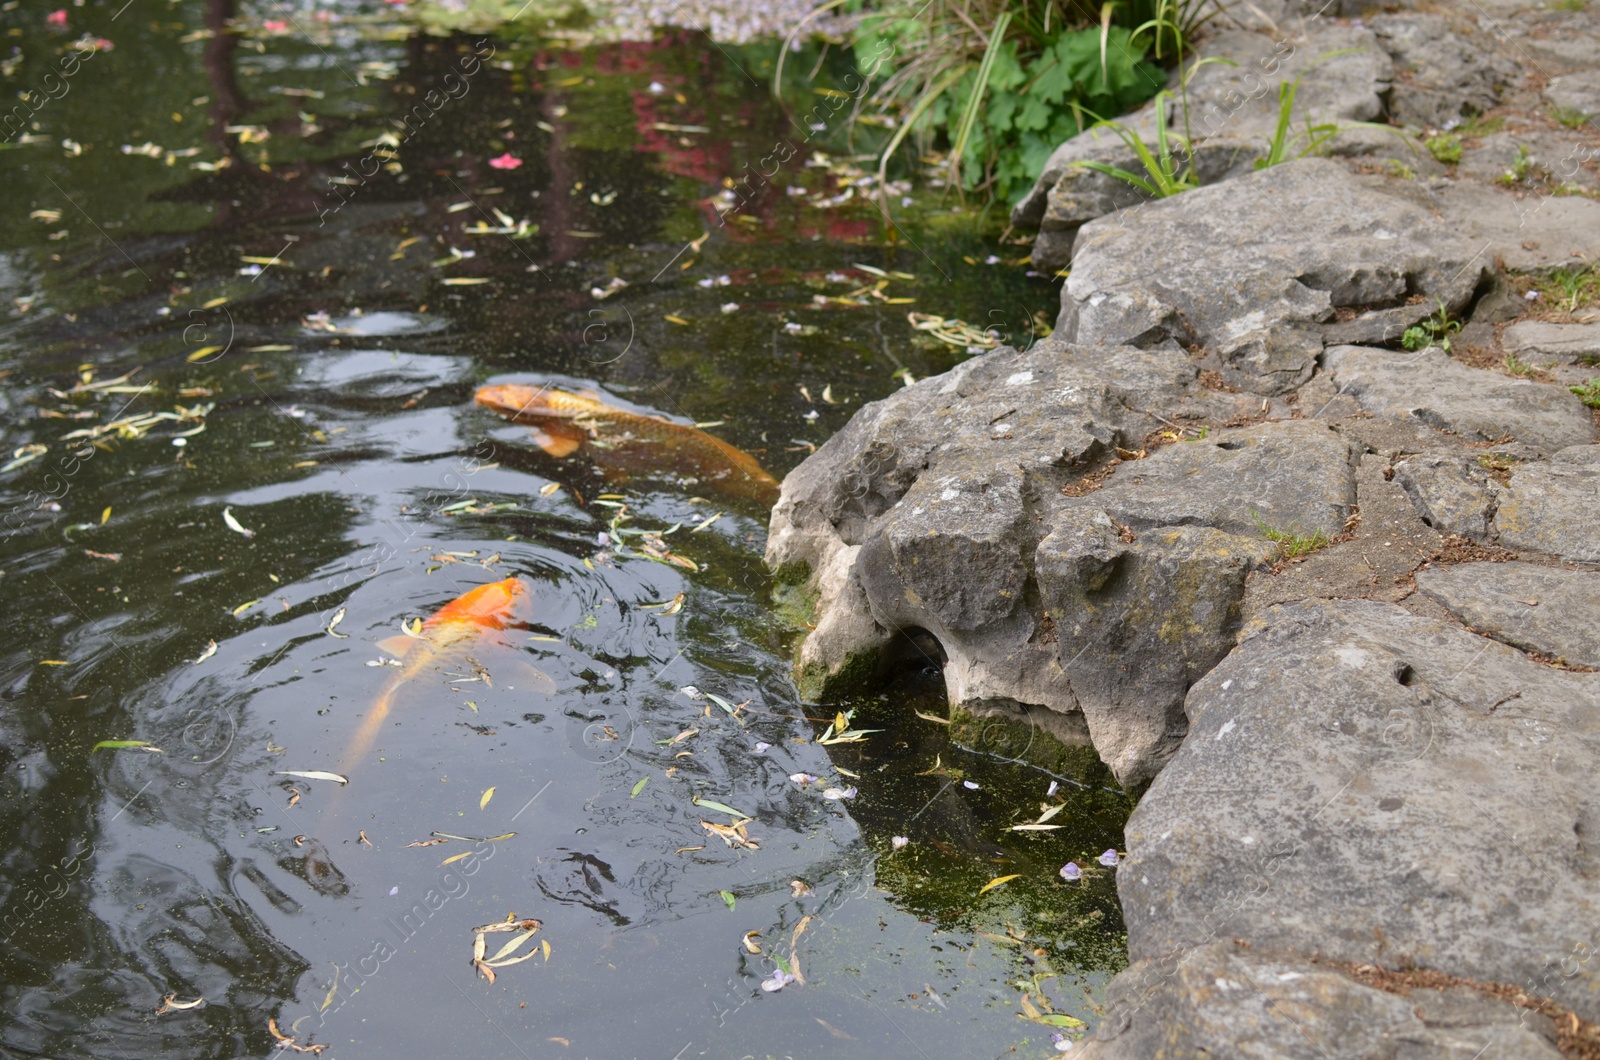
1452	492
1542	609
1540	343
1241	101
1080	195
1440	75
1000	421
1577	93
1138	622
1533	234
1255	268
1552	507
1429	387
1551	158
1382	788
1223	1000
941	509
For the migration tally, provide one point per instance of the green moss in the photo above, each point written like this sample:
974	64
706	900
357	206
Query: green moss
1018	739
860	674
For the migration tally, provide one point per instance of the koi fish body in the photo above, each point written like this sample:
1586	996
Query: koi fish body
621	441
476	618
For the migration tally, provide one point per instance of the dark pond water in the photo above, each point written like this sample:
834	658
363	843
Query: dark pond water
203	337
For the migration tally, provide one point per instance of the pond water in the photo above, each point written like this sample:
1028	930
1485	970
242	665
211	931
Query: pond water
241	448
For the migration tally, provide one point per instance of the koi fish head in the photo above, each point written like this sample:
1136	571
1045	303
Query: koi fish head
521	403
492	606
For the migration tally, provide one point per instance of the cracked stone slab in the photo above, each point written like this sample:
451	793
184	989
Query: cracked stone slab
1430	387
1441	75
1221	999
1254	269
1543	609
1554	506
1358	781
1577	93
1536	233
1541	343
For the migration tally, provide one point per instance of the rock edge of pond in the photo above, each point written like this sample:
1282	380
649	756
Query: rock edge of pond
1331	599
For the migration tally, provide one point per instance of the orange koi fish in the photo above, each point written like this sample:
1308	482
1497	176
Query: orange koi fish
473	619
620	441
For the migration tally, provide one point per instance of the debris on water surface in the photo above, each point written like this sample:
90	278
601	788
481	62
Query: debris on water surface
286	1042
170	1003
312	774
503	958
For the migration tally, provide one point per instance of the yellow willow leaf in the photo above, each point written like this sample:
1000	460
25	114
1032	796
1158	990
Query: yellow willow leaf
998	881
484	801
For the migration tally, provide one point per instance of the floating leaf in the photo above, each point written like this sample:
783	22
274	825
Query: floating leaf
105	516
312	774
720	807
170	1003
484	801
723	703
453	859
728	898
998	881
202	353
211	649
338	617
233	524
120	745
465	281
639	787
242	608
750	945
1036	827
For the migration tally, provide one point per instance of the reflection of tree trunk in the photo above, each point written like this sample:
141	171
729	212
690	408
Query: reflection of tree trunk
558	199
226	100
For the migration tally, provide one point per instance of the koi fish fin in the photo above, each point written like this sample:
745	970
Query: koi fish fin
397	645
529	678
557	445
361	742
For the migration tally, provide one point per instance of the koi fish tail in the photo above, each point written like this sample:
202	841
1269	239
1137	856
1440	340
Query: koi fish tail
361	742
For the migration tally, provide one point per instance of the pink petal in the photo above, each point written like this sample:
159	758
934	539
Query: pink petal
57	18
506	161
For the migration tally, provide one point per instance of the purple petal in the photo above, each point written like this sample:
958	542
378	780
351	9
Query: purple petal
1109	859
969	784
761	748
1071	872
1053	788
898	841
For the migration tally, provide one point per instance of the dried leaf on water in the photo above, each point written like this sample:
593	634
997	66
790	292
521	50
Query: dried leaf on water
286	1042
211	649
312	774
998	881
170	1003
750	945
338	617
484	800
234	525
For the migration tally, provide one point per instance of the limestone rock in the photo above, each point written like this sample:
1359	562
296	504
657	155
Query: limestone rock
1452	492
1543	609
1441	76
1553	506
941	510
1254	269
1533	234
1577	93
1432	388
1540	343
1382	788
1241	100
1223	1000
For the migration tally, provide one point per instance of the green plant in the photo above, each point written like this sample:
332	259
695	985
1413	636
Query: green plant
1572	119
1434	331
1399	169
1515	365
1589	392
1290	544
1521	167
1314	135
1573	285
1165	173
1570	5
997	84
1446	147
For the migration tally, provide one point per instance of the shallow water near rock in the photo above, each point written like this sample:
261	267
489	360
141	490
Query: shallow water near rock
293	466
